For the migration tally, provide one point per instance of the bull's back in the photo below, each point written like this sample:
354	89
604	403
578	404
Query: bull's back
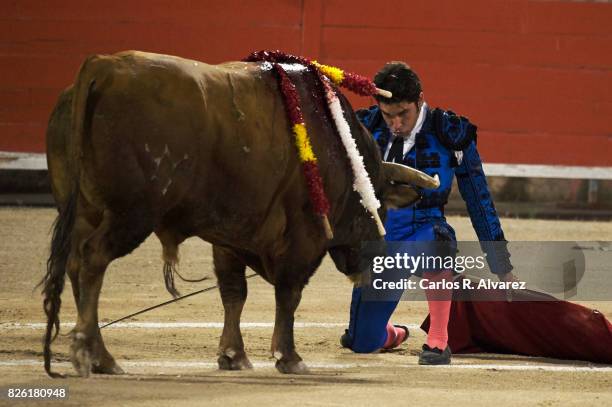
164	131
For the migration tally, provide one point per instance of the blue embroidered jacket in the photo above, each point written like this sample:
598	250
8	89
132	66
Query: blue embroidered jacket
443	133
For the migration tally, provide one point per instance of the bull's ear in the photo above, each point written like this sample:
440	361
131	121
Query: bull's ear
400	195
402	174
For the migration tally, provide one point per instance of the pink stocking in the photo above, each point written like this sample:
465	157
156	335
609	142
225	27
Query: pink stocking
439	301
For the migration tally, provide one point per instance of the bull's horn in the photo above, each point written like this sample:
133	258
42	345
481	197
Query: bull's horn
407	175
384	93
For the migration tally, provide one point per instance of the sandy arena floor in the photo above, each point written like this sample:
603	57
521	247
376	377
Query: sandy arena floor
169	362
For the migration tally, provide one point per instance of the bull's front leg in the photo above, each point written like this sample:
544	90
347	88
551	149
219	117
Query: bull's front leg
288	297
230	273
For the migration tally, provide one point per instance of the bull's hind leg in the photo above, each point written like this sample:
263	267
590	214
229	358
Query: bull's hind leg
230	273
82	229
113	238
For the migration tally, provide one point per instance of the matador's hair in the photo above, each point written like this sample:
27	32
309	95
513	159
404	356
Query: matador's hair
398	78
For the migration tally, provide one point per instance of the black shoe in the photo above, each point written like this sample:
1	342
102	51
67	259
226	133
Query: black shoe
435	356
345	339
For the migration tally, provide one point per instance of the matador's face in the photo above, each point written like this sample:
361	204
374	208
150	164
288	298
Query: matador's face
401	117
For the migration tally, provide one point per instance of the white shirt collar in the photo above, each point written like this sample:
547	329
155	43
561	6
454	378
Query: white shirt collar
420	120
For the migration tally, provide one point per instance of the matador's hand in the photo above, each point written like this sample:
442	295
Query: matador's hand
509	278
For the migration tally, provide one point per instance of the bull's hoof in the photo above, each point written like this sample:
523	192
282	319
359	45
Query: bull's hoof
80	358
231	360
291	366
90	356
113	369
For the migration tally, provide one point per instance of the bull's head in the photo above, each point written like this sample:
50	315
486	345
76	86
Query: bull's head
397	186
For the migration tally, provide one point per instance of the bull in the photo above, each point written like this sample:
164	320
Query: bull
145	143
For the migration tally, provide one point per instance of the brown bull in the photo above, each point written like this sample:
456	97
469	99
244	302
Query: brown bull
152	143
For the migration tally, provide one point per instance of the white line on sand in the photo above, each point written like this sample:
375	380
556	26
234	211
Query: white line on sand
169	364
188	325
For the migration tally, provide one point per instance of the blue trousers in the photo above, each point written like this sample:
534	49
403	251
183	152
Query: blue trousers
368	319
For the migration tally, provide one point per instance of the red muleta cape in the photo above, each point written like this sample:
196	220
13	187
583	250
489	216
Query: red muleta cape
533	324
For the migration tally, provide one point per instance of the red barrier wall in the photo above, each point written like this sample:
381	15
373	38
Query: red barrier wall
535	76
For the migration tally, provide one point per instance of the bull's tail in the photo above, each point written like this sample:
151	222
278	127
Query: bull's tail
53	281
81	112
61	241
